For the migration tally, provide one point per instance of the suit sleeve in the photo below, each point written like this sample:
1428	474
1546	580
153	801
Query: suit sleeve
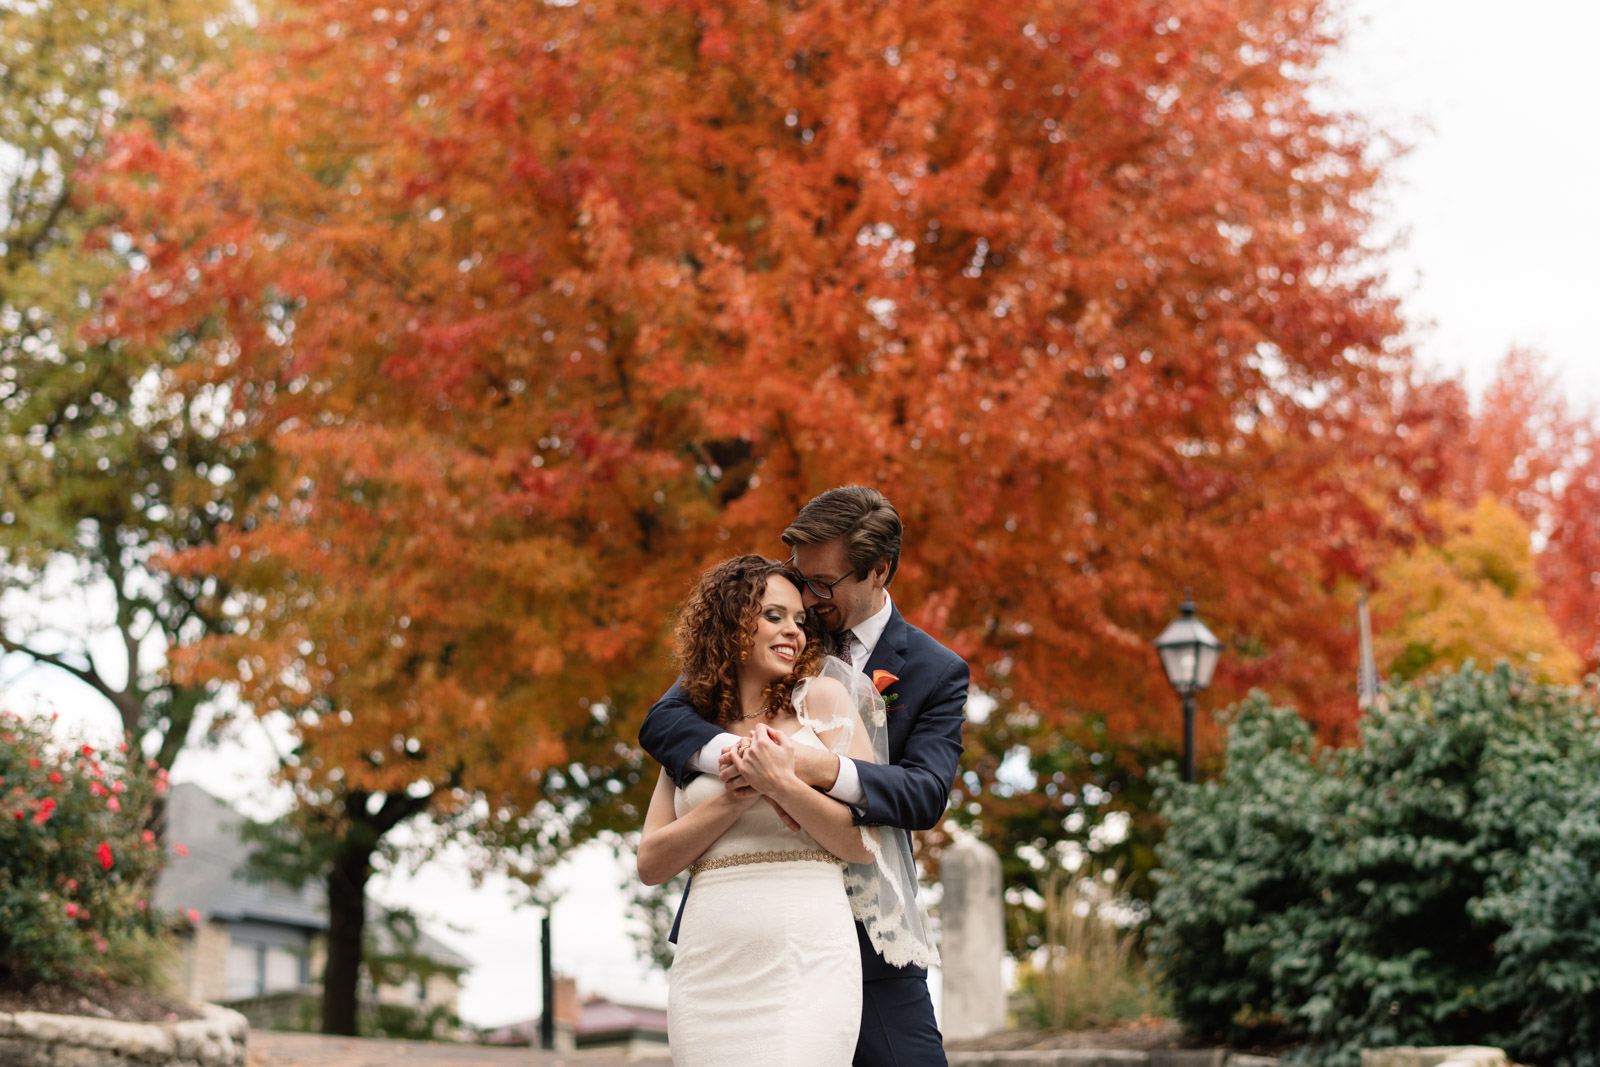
672	732
913	793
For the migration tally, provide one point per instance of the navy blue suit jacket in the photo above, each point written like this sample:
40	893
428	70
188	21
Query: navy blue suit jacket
925	719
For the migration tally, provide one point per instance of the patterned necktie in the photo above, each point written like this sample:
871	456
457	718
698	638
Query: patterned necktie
855	650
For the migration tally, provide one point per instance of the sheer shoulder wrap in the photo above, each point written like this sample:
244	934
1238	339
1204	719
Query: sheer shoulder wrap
882	893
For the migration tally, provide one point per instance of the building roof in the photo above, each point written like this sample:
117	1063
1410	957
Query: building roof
210	878
598	1018
601	1018
427	946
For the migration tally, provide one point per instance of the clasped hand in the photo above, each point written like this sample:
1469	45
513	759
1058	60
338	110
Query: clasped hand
761	763
759	766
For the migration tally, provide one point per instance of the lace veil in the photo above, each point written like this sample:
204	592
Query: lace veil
882	893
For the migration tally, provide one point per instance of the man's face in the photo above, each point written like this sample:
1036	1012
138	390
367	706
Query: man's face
854	600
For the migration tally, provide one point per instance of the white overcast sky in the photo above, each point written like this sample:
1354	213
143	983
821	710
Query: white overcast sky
1502	221
1497	200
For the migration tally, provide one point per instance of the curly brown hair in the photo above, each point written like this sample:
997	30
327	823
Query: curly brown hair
713	635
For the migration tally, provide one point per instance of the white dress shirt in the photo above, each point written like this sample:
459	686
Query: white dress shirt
860	643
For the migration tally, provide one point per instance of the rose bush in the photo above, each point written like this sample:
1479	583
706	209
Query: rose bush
77	859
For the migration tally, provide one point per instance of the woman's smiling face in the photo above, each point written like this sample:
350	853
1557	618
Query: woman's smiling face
780	634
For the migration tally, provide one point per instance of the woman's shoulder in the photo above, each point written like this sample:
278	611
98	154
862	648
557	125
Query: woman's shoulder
827	698
826	687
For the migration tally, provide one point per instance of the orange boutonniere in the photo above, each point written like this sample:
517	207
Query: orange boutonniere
882	680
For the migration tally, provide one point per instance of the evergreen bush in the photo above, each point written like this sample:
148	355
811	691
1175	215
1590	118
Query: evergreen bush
1437	884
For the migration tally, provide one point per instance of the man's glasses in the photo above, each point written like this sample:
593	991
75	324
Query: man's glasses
819	589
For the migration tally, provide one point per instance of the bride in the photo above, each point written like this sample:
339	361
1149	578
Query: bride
768	968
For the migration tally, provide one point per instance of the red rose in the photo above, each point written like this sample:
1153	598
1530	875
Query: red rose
103	854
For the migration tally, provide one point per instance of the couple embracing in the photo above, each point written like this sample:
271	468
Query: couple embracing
811	731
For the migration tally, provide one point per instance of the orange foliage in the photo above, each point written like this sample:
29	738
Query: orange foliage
546	306
1527	448
1570	561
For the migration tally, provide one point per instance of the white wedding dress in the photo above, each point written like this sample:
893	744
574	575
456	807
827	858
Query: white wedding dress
768	969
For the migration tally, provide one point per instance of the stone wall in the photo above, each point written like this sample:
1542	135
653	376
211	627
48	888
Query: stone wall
34	1039
205	961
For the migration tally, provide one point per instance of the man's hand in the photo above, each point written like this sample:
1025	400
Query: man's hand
765	759
816	767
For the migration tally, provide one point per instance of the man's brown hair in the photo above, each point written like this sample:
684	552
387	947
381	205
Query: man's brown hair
860	516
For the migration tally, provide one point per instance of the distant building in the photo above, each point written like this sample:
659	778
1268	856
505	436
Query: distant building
259	945
625	1028
592	1023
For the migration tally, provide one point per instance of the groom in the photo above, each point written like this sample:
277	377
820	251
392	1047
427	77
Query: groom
846	545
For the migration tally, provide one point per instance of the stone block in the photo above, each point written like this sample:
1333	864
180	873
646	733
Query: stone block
1187	1057
972	923
1073	1057
1434	1056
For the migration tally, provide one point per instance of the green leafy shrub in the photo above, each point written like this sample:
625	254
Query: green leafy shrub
1550	953
1428	886
76	859
421	1023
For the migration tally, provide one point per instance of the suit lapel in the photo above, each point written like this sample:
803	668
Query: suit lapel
890	653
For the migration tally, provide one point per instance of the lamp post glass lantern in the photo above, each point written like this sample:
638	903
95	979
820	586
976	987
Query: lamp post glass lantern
1189	652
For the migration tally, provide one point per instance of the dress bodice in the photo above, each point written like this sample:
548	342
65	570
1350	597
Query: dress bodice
757	830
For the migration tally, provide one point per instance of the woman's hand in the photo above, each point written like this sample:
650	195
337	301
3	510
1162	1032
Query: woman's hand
765	760
739	801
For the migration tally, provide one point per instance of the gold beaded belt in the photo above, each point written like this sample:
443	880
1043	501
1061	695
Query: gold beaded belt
800	855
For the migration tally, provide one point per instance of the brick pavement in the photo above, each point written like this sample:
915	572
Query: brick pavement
266	1049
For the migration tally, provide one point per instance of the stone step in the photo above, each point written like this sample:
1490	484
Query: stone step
1084	1057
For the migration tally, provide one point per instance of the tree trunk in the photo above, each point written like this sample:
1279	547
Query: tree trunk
347	918
363	830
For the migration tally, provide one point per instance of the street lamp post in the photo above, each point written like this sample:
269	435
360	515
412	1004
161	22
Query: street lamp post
547	975
1189	652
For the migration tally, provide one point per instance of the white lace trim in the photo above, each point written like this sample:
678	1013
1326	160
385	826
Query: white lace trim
881	893
845	725
885	920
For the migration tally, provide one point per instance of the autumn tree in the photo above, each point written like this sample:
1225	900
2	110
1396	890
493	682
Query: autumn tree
547	307
1529	447
1475	594
105	460
1569	562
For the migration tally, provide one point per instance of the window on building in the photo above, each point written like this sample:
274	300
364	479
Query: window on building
243	978
255	967
281	969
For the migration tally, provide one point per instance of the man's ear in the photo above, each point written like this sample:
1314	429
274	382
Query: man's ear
879	574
